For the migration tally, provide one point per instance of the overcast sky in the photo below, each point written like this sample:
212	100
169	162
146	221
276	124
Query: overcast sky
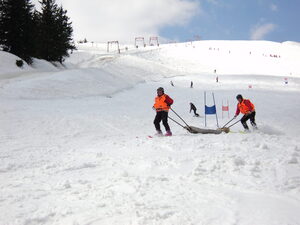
181	20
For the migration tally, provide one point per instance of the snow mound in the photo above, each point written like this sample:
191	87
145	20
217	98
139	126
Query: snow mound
43	65
93	79
8	64
71	83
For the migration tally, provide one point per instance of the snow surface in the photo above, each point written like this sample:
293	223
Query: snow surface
74	146
8	65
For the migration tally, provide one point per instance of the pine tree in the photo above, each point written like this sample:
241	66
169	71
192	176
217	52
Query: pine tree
16	28
54	32
46	34
46	30
65	31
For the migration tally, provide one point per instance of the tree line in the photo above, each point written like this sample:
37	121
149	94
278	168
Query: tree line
28	32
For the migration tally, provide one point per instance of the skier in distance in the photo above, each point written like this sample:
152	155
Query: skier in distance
193	107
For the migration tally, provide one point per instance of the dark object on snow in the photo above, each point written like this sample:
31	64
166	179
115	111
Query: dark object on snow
192	84
19	63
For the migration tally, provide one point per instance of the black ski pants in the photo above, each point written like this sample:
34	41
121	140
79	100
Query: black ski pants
246	117
161	116
195	112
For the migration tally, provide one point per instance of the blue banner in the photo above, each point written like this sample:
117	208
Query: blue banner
210	109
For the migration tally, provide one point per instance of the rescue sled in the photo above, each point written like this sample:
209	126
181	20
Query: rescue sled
197	130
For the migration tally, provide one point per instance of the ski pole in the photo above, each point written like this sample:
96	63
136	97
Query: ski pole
228	122
176	122
180	117
234	123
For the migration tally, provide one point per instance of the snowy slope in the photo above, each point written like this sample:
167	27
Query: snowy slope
231	57
74	146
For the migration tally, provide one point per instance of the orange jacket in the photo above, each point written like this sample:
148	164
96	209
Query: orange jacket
162	103
244	107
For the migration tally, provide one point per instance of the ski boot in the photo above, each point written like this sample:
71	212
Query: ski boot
158	133
169	133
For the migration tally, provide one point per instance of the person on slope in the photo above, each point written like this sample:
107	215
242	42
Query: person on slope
162	105
193	107
246	107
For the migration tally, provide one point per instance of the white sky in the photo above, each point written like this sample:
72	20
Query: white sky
103	20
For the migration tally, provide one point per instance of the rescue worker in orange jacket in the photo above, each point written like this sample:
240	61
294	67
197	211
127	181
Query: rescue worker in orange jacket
162	105
246	107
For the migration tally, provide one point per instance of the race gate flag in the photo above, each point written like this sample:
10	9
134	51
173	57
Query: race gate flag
210	110
225	108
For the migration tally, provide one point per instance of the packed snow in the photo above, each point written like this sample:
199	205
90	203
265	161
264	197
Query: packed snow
74	145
